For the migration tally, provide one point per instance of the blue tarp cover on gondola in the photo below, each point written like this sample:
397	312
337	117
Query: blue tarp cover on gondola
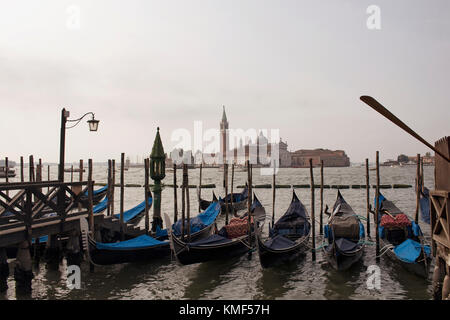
160	233
279	242
42	239
201	221
409	250
132	213
98	191
213	239
101	206
140	242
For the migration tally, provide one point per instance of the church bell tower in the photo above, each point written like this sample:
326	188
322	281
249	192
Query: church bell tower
224	135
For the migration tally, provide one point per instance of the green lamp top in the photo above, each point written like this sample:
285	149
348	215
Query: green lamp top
158	149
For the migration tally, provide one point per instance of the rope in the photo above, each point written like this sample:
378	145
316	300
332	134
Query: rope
385	249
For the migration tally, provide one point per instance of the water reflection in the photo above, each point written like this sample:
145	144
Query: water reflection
275	282
342	284
208	276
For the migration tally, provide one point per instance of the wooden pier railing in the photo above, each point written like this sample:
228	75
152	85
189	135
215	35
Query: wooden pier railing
34	209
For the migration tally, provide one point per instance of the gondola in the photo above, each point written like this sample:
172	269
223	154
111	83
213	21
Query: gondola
97	196
401	239
239	201
345	236
221	245
144	247
288	238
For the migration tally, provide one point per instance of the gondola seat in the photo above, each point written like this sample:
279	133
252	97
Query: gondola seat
345	227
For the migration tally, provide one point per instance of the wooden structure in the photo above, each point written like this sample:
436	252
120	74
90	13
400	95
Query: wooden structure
440	221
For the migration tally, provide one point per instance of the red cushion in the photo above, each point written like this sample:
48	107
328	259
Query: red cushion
237	227
399	220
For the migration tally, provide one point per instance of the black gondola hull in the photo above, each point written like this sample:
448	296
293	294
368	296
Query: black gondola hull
270	258
194	254
342	261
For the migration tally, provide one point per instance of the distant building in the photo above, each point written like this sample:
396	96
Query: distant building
402	158
390	163
427	159
338	158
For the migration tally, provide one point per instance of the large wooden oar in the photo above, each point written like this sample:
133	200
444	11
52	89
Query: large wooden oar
374	104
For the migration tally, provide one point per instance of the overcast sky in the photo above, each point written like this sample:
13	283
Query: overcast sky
299	66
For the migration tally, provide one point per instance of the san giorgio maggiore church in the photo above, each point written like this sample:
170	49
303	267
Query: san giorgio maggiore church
259	153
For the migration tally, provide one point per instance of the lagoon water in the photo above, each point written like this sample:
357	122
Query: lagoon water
241	277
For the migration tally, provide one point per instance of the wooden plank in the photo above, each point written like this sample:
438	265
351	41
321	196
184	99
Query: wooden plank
18	234
43	184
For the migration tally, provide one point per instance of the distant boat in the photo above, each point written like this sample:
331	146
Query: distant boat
73	170
11	173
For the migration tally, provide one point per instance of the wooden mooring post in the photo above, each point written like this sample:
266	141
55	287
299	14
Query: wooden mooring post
199	187
188	203
368	198
377	208
232	186
113	185
313	218
183	202
418	188
321	199
7	173
146	194
108	193
227	209
249	205
122	184
4	270
31	168
273	195
175	200
22	178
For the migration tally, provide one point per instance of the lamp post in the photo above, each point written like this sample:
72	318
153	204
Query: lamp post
157	173
93	126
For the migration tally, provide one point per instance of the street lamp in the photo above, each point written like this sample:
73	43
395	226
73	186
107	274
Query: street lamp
157	173
93	126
